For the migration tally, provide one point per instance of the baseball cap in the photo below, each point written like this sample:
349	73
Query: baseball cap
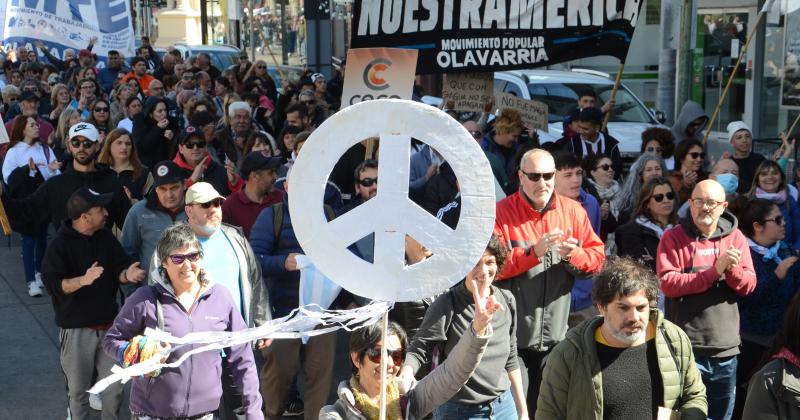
191	132
83	129
84	199
167	172
201	192
84	53
307	92
317	76
257	161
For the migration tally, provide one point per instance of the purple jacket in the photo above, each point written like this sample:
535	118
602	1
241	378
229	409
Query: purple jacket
194	387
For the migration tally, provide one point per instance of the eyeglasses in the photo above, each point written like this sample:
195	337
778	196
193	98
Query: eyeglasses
696	155
398	356
700	203
103	109
178	259
652	149
192	145
217	202
476	134
261	67
777	219
536	176
367	182
77	143
660	197
605	167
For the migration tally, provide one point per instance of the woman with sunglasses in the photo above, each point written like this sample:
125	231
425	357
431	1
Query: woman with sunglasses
643	169
259	72
495	386
182	300
154	134
769	183
655	212
600	182
660	142
100	116
689	168
359	397
120	155
777	280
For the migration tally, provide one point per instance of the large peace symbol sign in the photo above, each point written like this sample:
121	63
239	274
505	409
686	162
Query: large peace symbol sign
390	215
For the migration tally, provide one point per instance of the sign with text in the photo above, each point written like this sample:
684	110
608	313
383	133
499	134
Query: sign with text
470	36
533	113
468	91
378	73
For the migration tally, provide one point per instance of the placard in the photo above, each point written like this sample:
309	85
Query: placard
468	91
533	113
378	73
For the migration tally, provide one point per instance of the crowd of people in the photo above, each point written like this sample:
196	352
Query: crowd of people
153	193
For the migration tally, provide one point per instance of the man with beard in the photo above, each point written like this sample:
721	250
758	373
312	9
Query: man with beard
232	264
243	207
49	200
703	264
630	363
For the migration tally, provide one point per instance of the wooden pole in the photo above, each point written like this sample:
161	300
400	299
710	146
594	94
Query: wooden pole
791	127
730	79
384	340
274	60
4	220
614	90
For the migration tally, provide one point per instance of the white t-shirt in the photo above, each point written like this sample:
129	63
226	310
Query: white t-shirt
20	154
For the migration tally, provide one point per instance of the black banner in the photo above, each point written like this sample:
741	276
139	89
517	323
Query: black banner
455	36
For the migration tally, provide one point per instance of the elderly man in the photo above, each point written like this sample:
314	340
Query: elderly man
630	363
29	107
230	138
317	112
166	68
551	242
704	263
243	207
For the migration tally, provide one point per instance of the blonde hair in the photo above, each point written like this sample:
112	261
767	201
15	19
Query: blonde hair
509	121
58	87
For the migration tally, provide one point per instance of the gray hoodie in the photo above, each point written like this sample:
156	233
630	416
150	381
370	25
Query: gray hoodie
691	111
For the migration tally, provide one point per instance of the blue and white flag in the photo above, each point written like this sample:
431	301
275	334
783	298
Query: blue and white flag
62	24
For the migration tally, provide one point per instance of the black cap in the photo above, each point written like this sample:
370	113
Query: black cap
167	172
593	115
27	96
257	161
201	119
191	132
85	199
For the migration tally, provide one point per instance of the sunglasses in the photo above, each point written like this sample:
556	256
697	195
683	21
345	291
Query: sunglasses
217	202
104	109
778	220
192	145
178	259
367	182
536	176
696	155
605	167
87	144
476	134
261	67
660	197
398	356
654	149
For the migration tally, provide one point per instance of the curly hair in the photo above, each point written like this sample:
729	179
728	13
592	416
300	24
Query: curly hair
664	138
509	121
623	276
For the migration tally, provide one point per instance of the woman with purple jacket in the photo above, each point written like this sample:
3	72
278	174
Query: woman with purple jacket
182	301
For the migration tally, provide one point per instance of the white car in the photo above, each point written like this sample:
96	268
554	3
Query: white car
560	90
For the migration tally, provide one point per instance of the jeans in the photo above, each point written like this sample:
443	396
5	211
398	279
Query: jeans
33	247
501	408
719	377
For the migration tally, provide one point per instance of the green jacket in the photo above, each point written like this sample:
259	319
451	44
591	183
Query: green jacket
572	387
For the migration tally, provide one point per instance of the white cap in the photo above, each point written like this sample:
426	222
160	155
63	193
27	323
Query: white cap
84	129
736	126
201	192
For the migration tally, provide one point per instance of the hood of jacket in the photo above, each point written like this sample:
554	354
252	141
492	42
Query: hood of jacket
150	105
691	111
726	224
180	161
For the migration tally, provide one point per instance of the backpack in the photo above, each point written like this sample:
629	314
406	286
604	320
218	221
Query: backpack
277	220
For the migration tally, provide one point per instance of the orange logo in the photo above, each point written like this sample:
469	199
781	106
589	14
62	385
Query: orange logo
373	74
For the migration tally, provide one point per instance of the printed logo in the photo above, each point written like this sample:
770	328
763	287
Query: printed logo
373	74
162	170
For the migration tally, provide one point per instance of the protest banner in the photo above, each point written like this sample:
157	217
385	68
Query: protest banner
492	35
378	73
468	91
533	113
62	24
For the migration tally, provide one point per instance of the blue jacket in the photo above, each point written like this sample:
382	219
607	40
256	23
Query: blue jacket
420	162
582	289
762	311
194	387
791	213
106	77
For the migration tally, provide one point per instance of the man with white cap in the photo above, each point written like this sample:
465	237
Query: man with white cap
231	263
741	139
49	201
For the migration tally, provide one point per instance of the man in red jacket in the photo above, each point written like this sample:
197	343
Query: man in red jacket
551	242
703	264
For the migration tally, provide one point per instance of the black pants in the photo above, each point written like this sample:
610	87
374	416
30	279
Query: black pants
231	407
534	363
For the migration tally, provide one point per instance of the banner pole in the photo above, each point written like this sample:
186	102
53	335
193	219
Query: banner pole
384	345
730	78
791	127
613	97
274	60
6	225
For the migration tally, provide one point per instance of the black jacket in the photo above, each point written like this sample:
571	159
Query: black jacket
21	185
149	138
573	145
441	189
49	201
637	242
69	255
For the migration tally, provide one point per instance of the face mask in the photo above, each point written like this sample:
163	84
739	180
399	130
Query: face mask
728	181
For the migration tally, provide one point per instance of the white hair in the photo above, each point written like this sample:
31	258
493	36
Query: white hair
238	106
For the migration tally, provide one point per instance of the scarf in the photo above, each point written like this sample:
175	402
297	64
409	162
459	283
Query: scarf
644	221
777	197
787	355
767	254
608	193
371	409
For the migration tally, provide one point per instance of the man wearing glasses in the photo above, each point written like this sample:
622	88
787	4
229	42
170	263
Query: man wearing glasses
233	265
551	242
194	158
49	201
703	264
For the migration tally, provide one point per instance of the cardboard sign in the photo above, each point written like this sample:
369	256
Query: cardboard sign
532	112
378	73
468	91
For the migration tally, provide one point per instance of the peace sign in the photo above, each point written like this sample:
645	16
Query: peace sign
390	215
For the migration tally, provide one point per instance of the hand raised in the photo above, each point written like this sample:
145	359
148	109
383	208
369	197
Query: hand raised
484	310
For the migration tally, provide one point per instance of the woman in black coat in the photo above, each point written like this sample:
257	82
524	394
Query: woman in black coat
154	134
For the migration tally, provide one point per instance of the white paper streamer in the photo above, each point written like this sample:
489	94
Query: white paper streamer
301	322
